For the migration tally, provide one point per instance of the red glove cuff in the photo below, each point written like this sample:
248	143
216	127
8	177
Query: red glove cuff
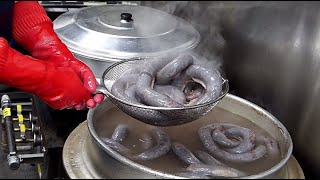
15	72
27	15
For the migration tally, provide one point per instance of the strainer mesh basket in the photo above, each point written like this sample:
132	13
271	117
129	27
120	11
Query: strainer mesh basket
157	116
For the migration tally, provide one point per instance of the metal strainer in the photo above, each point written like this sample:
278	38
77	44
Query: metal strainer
157	116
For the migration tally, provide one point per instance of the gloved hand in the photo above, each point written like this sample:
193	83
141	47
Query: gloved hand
59	87
33	30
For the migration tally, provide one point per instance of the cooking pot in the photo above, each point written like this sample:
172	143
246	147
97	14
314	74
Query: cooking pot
102	35
86	156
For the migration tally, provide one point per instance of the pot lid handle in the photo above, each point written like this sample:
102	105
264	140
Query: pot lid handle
126	20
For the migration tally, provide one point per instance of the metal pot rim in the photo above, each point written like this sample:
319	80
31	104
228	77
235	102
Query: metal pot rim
142	168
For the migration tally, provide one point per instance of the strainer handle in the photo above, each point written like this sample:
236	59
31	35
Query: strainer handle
101	89
225	81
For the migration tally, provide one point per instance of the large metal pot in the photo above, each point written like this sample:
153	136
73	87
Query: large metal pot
86	156
103	35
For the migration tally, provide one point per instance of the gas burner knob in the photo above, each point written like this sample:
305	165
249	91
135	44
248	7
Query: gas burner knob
37	140
35	129
13	161
34	119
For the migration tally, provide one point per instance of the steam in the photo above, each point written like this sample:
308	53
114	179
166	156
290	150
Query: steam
167	6
205	17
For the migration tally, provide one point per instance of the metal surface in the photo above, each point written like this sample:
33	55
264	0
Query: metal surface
85	156
158	116
99	32
280	59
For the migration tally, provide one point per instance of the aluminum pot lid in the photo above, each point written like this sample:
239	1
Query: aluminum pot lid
124	31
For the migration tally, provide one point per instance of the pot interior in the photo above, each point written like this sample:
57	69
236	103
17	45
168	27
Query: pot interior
104	118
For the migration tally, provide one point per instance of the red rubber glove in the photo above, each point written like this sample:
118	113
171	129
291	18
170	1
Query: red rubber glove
33	30
59	87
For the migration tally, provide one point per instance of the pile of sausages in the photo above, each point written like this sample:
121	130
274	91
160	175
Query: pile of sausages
224	142
172	81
